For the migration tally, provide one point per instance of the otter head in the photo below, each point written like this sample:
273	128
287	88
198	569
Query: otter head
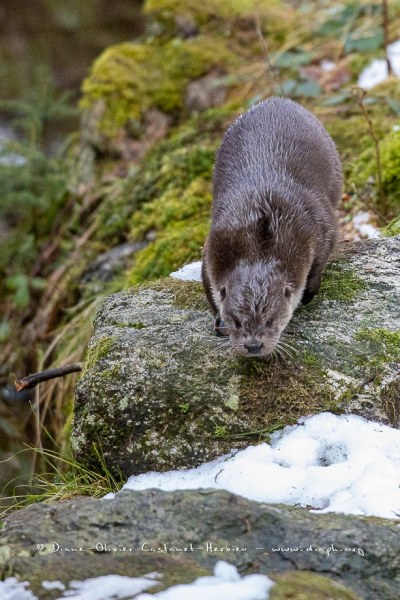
256	304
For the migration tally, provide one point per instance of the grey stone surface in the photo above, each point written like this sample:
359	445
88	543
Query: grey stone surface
160	392
43	541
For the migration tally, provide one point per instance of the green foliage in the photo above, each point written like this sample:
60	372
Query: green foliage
32	194
342	20
33	189
392	229
36	113
65	478
302	88
365	169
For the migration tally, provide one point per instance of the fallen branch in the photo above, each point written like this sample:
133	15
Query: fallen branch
36	378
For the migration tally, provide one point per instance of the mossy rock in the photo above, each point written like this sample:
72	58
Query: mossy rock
202	518
167	201
130	78
166	394
300	585
218	16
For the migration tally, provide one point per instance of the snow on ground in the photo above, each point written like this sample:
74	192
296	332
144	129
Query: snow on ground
12	589
376	71
225	583
191	272
332	463
108	587
362	225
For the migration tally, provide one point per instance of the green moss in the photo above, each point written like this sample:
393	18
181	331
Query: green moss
382	345
392	229
177	246
174	178
178	214
280	392
187	294
170	197
223	9
220	430
129	78
111	373
351	392
340	283
226	17
365	169
355	145
176	205
304	585
95	353
351	136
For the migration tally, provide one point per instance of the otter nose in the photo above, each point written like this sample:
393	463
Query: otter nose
254	348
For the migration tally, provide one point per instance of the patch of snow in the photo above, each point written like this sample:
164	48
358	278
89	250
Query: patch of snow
12	589
53	585
191	272
327	65
376	72
107	587
109	496
333	463
362	225
225	583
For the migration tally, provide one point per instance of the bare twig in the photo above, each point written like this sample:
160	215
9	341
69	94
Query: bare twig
263	43
385	26
371	207
36	378
359	93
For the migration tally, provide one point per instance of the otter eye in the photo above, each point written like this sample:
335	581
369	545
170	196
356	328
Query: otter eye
237	323
269	323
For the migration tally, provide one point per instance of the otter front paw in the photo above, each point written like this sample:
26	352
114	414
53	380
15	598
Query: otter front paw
308	295
220	327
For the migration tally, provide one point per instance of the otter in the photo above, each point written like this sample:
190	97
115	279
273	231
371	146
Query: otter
277	180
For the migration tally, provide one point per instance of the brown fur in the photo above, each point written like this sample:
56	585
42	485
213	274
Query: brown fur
277	180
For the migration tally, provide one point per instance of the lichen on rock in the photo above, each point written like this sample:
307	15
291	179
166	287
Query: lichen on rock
341	350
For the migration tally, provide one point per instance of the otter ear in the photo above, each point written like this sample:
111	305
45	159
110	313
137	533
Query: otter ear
222	292
288	291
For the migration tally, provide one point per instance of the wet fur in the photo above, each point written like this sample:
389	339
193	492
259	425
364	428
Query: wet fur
277	181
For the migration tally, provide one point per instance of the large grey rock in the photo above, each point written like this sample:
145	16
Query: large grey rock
283	542
159	391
